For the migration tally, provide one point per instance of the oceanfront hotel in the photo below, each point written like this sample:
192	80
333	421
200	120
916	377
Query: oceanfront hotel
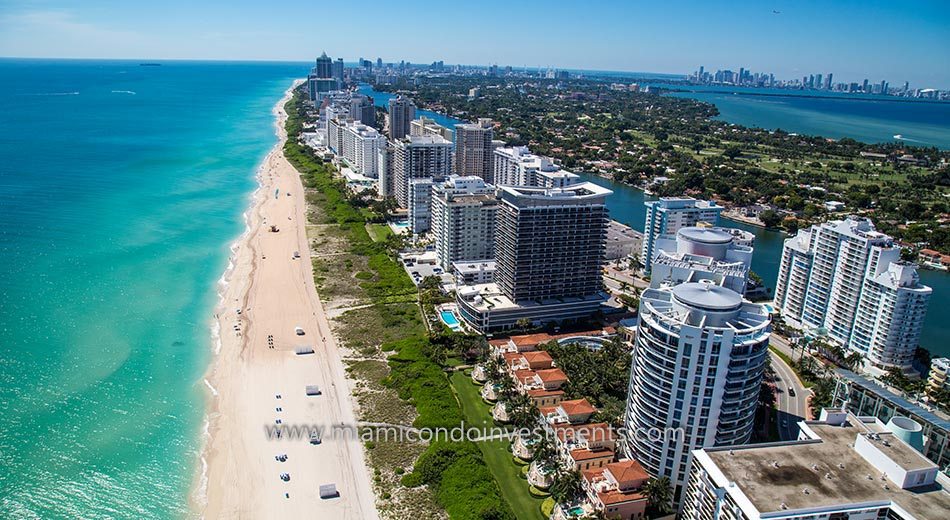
516	242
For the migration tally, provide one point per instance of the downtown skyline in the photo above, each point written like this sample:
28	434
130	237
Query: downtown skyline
876	39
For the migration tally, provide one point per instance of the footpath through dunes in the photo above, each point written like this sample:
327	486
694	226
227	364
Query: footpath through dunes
259	381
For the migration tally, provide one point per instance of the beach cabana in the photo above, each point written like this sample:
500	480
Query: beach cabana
304	350
313	390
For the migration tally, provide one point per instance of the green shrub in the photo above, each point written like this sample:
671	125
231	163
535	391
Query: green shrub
461	480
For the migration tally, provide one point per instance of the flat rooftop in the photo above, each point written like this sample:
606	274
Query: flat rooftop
774	477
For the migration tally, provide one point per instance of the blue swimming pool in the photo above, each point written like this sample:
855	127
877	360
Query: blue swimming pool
449	319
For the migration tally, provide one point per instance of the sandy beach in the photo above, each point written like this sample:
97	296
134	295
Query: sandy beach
266	294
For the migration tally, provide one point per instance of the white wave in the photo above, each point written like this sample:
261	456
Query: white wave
53	94
216	336
214	391
132	92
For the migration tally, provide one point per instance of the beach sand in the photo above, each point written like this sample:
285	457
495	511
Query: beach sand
276	293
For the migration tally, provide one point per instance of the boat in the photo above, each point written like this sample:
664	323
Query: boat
898	136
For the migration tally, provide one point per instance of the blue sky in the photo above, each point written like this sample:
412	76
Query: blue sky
877	39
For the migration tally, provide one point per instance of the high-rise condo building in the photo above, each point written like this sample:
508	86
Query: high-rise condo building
517	166
841	467
360	148
338	70
890	315
703	253
419	156
668	215
698	357
427	126
401	113
473	149
384	164
846	279
363	110
321	79
420	202
324	66
463	220
549	251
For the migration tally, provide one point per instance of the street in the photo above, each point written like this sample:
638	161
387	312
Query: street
791	409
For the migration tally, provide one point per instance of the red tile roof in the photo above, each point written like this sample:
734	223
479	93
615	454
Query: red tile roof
627	472
538	357
631	471
577	407
584	454
552	375
540	392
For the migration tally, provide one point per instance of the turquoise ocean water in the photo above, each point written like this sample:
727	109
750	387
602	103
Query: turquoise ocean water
121	189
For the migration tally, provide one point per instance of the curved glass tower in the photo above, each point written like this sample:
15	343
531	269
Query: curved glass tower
698	358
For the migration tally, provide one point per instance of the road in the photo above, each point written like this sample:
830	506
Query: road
791	409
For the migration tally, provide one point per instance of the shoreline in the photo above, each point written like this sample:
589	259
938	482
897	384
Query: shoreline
263	294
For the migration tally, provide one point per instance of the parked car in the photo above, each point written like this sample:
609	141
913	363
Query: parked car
299	331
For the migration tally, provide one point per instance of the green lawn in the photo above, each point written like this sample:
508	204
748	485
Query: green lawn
497	457
378	232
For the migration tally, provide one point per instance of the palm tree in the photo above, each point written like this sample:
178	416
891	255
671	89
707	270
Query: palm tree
659	495
566	487
521	410
546	455
853	360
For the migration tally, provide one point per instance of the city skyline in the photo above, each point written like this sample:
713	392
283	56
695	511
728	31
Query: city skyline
668	39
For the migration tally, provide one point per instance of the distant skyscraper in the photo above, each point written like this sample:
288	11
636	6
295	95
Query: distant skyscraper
401	113
828	81
379	63
864	87
818	82
668	215
338	70
473	149
321	79
324	68
363	110
698	357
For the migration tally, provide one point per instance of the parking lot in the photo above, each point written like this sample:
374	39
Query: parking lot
419	271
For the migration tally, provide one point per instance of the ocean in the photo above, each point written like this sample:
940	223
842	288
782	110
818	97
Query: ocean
121	189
